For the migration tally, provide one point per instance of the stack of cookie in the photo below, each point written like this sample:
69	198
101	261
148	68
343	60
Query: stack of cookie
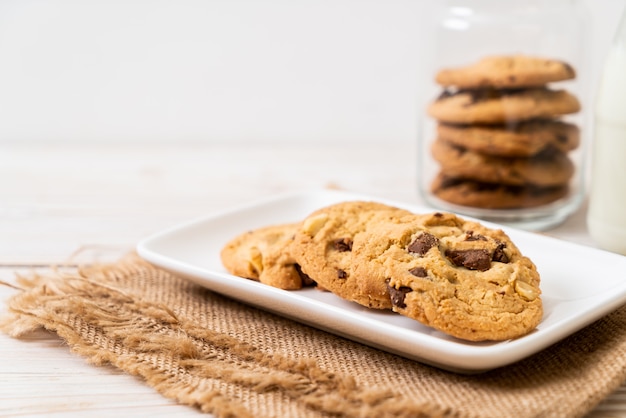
453	275
501	141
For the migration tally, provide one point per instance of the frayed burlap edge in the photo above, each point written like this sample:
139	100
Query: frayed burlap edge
213	371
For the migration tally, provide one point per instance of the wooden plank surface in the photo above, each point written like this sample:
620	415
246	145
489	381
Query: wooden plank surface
66	203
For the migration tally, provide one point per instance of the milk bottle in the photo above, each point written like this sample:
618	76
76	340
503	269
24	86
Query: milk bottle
606	218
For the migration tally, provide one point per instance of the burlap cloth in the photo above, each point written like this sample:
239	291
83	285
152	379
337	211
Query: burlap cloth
223	357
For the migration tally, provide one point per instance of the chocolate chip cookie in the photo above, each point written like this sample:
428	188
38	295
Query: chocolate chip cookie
512	71
522	139
323	243
262	255
489	105
471	193
456	276
548	169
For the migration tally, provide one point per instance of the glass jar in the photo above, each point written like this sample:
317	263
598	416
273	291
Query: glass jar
503	122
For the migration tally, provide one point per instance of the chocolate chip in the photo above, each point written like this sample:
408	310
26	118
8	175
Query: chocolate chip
422	244
304	278
341	274
471	259
418	272
470	236
460	150
480	95
343	244
499	254
397	295
445	94
508	92
569	69
448	182
546	154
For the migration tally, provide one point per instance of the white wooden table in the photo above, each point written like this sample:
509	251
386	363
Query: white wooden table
62	203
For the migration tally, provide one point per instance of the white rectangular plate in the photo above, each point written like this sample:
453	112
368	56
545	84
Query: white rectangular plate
579	284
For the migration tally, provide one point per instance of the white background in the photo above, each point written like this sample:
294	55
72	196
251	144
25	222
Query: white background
221	70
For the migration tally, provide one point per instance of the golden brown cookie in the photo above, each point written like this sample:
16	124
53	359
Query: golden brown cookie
456	276
322	246
544	170
493	106
262	255
522	139
506	72
483	195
